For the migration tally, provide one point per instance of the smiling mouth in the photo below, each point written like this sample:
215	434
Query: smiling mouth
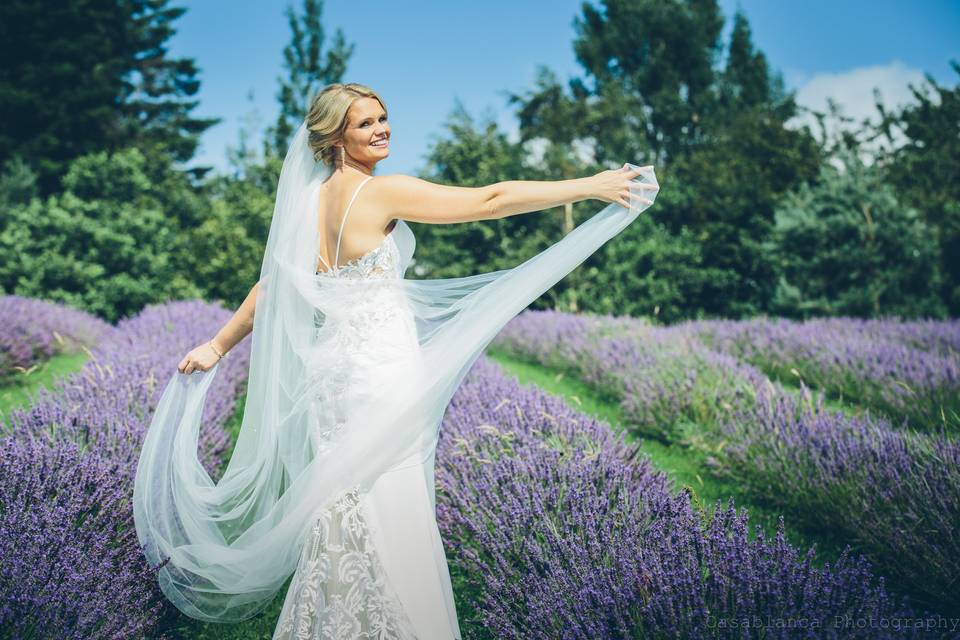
379	143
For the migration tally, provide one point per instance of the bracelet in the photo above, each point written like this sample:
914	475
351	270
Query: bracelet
215	350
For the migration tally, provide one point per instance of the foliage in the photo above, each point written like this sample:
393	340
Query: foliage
18	183
655	92
225	252
847	246
306	73
108	244
924	170
645	271
81	76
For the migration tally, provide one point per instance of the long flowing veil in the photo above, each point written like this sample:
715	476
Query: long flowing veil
231	545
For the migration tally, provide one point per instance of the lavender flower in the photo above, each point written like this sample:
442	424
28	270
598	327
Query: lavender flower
896	493
661	376
70	563
32	331
557	534
71	566
909	372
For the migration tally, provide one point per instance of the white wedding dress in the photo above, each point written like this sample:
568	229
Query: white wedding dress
331	476
373	564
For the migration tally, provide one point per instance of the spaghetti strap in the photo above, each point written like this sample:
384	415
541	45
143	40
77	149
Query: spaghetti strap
336	257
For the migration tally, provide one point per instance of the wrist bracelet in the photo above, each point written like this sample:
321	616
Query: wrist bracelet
215	350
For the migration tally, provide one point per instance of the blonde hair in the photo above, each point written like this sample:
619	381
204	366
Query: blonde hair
327	117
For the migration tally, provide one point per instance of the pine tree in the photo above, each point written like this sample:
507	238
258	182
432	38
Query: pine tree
85	76
926	167
307	70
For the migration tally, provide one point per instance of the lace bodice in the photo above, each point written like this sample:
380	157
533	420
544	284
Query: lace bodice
382	261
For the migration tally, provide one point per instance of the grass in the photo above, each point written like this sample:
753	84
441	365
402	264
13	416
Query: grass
20	391
258	627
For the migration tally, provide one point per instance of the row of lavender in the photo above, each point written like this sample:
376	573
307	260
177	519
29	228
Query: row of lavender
32	331
582	542
892	490
70	562
559	533
909	371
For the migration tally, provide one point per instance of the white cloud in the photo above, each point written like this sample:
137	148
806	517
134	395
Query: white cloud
853	91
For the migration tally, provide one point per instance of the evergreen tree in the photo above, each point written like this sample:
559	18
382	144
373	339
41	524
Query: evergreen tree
651	64
926	169
656	92
308	71
106	244
848	246
83	76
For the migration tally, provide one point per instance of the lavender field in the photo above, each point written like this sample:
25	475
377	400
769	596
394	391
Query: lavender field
878	467
554	527
32	331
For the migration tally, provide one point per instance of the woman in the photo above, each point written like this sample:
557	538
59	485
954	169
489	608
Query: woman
352	366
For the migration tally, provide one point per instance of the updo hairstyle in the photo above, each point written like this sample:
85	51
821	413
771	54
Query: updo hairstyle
327	117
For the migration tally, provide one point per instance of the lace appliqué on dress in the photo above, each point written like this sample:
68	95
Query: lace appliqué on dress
339	591
380	261
356	337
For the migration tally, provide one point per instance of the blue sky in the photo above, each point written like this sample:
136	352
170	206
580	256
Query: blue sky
423	56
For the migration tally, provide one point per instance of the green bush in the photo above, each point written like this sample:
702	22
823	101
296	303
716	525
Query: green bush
848	246
107	244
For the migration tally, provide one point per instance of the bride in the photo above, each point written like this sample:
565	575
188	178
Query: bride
352	366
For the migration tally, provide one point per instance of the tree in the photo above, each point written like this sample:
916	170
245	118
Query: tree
307	71
106	244
79	77
651	63
656	92
848	246
926	167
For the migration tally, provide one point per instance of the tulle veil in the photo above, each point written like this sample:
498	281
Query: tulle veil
232	544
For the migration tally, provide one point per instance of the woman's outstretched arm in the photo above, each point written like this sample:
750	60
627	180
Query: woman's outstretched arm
418	200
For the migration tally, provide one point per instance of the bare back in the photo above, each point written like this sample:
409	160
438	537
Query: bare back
349	226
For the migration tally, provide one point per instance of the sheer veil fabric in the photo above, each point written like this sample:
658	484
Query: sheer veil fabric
399	346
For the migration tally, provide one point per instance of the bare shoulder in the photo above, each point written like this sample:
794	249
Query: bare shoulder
419	200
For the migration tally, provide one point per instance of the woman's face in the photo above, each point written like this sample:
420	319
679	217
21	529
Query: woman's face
366	139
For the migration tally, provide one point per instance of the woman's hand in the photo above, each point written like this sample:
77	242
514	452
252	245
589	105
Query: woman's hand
202	358
618	185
